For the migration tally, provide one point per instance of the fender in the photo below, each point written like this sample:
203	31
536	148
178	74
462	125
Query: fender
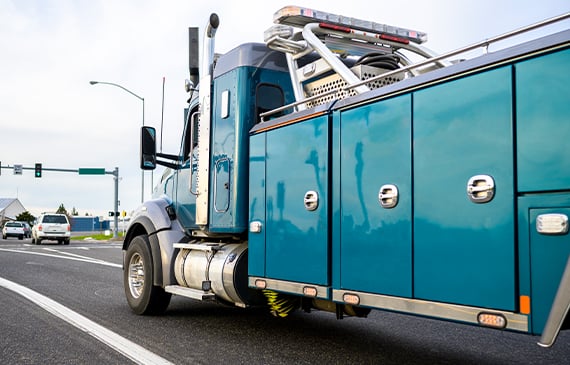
163	229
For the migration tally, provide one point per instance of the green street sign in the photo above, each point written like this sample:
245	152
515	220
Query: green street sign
92	171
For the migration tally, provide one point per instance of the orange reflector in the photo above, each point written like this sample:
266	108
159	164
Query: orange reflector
351	299
260	284
525	304
310	291
492	320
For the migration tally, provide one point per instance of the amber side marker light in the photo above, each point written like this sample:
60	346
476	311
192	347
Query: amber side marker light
351	299
310	291
492	320
525	304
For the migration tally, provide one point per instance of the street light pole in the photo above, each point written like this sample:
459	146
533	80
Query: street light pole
140	98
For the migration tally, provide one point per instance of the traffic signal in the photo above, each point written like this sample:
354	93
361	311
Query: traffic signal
38	172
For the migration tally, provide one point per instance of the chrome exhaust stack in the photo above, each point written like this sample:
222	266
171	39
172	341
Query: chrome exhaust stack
206	74
209	45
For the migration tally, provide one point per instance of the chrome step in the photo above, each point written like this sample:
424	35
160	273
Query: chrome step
189	292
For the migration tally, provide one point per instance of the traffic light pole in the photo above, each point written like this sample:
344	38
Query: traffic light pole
116	219
81	171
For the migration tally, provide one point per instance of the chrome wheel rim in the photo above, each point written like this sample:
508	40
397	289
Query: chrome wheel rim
136	275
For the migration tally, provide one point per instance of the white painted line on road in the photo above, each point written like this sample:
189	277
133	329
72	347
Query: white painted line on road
73	255
120	344
92	261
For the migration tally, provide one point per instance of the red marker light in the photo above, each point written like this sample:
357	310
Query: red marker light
394	38
335	27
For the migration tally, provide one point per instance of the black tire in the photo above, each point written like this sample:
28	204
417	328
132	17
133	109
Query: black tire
38	241
21	237
143	297
66	241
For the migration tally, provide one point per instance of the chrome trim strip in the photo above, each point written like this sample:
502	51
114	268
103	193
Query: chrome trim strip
455	312
227	188
290	287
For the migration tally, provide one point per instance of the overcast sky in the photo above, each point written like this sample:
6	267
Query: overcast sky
51	49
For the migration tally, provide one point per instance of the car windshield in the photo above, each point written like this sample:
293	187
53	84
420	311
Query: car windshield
13	224
54	219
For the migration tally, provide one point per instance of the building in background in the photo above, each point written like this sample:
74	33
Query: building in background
10	208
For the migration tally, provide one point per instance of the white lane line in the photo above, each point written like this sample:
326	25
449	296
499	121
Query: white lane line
92	261
73	254
120	344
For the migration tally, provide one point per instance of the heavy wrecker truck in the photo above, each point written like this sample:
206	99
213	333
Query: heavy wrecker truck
343	166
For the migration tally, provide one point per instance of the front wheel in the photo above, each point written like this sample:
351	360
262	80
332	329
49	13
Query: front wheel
142	296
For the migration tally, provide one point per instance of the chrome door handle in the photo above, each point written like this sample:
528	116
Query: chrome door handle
388	196
481	189
311	200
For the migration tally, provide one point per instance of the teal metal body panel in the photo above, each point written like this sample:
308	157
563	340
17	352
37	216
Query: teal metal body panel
256	240
542	257
297	240
549	254
464	252
229	164
185	202
375	242
543	122
229	153
230	139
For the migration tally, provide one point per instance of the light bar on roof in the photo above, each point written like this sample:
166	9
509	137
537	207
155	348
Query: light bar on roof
299	17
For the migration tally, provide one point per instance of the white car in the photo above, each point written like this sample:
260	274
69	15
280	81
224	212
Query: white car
13	229
51	226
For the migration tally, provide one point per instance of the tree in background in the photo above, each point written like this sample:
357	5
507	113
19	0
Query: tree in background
74	212
26	217
61	210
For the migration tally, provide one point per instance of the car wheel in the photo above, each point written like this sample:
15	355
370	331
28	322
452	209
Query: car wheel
38	241
21	237
66	241
143	297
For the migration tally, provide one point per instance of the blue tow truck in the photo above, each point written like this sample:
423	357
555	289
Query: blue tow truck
343	166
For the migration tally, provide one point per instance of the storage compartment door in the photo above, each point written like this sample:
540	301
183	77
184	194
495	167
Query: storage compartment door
543	122
464	247
375	198
297	246
549	252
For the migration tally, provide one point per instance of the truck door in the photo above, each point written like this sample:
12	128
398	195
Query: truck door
186	176
464	247
375	198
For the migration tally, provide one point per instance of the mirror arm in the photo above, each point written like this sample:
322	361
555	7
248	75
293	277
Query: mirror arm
167	156
171	165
